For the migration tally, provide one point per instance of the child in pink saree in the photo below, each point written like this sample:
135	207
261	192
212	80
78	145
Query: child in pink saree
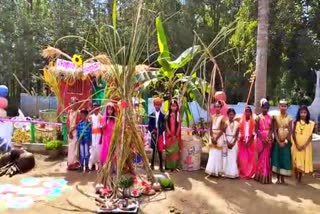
264	144
108	123
246	158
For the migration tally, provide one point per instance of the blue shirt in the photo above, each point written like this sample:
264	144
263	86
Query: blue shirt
84	131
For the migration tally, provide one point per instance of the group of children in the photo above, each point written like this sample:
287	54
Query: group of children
89	136
257	147
246	148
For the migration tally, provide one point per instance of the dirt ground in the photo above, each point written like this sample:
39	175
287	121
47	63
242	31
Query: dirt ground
194	193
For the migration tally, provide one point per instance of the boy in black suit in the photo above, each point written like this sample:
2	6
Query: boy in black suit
156	127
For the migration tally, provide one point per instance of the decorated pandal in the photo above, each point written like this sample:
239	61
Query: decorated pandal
84	79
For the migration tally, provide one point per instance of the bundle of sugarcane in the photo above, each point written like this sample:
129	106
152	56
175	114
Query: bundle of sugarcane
125	140
126	137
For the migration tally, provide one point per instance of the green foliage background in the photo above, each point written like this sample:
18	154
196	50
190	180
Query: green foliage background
27	26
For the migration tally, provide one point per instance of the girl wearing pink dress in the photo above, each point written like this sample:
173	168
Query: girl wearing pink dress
108	123
246	158
264	144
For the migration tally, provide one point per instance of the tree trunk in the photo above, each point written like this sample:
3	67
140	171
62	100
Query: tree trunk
262	52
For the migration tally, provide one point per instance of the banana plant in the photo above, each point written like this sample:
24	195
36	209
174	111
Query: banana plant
178	84
188	85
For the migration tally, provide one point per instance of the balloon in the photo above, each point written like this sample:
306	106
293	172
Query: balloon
3	103
3	91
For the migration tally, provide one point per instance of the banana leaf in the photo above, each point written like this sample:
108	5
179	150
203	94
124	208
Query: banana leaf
145	76
185	57
186	112
164	56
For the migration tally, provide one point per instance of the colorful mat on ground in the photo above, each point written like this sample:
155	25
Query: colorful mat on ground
29	191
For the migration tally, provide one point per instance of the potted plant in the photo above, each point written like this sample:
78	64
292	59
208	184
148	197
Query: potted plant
126	181
54	148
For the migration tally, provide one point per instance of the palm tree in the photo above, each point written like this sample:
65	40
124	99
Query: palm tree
262	52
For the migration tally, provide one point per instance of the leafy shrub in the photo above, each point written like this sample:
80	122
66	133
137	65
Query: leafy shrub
126	182
53	145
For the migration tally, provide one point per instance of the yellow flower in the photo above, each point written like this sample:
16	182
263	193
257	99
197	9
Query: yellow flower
76	59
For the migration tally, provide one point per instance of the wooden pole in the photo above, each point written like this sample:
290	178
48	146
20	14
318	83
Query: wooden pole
252	80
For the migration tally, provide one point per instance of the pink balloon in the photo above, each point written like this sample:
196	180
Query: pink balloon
3	103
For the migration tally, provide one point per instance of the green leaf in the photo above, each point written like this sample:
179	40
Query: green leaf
166	73
194	74
114	14
186	111
185	57
195	92
164	56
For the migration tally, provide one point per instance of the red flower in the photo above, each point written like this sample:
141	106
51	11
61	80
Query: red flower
105	190
135	179
143	183
135	192
147	188
124	104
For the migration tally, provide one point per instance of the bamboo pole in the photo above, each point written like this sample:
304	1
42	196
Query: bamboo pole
252	81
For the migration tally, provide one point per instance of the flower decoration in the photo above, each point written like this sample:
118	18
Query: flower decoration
77	59
143	183
135	180
124	104
135	192
106	191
